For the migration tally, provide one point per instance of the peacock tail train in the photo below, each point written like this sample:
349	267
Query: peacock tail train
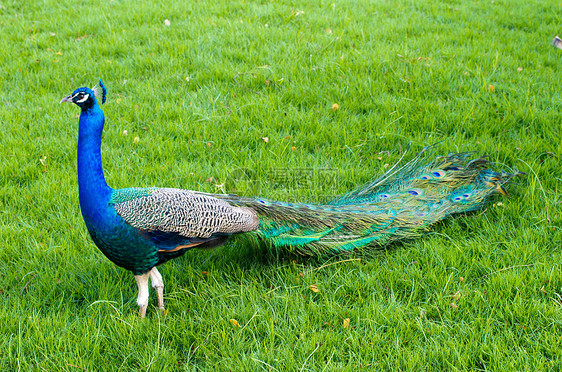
401	204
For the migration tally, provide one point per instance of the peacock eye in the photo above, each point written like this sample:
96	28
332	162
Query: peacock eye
81	97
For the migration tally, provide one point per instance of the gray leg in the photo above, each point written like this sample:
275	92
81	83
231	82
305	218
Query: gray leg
158	285
142	299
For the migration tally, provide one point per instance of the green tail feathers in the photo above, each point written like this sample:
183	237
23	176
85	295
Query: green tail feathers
401	204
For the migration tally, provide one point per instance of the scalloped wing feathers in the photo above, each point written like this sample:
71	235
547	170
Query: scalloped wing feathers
187	213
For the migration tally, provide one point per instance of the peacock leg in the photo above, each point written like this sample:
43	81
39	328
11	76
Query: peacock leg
142	299
158	285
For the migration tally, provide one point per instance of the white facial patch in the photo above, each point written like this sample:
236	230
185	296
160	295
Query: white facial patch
86	96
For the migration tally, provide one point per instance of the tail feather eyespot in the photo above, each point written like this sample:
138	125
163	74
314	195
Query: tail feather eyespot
415	192
462	197
438	174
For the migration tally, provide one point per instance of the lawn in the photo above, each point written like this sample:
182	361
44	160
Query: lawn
239	97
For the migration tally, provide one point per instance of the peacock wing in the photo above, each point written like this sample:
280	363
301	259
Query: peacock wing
175	218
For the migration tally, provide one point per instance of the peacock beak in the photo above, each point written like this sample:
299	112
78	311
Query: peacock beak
66	99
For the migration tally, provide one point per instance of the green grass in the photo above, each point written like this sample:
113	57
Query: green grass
480	292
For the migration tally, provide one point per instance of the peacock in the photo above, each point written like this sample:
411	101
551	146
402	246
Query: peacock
141	228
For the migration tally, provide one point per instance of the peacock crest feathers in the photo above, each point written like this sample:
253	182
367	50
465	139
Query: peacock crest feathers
100	91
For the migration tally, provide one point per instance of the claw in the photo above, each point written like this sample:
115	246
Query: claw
142	311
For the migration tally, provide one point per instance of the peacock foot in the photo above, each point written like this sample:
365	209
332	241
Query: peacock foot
157	284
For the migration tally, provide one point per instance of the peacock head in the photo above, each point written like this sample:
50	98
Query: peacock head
85	97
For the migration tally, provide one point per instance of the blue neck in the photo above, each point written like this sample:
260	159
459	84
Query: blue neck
93	190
